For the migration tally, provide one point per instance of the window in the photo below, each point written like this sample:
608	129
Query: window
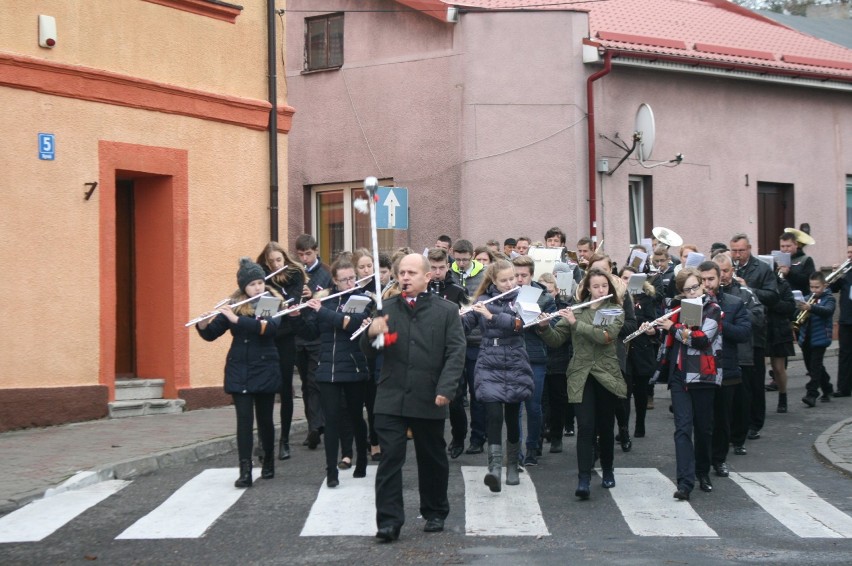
324	42
338	226
849	206
641	208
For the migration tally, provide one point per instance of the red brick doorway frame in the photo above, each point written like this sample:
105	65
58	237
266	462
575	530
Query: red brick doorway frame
161	185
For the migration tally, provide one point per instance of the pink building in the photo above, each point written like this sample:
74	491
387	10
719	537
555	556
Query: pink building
493	115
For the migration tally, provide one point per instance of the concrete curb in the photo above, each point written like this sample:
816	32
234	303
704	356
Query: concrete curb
825	451
140	465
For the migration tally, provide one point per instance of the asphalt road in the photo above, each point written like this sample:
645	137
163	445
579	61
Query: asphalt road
265	523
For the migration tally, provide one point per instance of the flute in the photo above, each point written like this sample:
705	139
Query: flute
221	303
466	310
364	326
274	273
304	305
551	315
646	325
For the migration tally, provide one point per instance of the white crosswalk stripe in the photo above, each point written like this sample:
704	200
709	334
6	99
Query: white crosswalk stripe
644	497
356	496
795	505
39	519
192	509
512	512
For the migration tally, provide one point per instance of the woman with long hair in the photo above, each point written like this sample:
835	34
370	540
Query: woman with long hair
288	282
595	383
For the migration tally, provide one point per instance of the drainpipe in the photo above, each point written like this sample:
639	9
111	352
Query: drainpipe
273	120
590	104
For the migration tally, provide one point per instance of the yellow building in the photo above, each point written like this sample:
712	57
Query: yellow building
135	158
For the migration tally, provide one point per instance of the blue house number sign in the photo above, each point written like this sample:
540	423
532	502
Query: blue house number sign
46	147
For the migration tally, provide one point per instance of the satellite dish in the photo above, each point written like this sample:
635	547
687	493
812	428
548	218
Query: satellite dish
644	126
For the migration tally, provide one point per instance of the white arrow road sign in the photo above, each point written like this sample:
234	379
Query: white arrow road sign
391	203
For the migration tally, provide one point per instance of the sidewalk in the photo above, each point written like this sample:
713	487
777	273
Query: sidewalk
38	459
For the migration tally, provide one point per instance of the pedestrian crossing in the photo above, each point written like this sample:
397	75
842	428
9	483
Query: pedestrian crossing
642	497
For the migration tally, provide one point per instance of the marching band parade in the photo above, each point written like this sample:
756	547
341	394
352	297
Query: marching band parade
531	333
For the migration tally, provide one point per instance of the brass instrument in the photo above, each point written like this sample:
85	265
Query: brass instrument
842	270
802	238
646	325
667	237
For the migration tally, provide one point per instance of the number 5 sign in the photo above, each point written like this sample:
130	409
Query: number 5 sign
46	147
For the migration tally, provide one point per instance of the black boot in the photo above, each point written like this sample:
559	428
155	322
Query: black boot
245	474
495	467
583	489
360	466
267	472
624	438
782	403
284	449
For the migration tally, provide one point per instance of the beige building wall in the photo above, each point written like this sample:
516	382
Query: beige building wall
153	76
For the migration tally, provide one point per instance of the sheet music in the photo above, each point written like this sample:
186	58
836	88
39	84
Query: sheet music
356	304
545	258
637	259
266	306
605	317
565	282
694	259
637	281
526	303
768	260
782	259
692	312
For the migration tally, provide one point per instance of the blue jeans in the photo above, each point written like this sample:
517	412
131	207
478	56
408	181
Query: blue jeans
533	407
693	413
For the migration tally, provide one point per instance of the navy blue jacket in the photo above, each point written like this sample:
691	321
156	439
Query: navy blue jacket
252	362
341	359
736	329
536	348
817	328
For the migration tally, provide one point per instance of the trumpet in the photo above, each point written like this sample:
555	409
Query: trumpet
842	270
466	310
304	305
222	303
647	325
552	315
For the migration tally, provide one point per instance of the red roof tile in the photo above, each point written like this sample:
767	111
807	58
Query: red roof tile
713	31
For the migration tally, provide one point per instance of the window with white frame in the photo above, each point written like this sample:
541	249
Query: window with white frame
641	206
338	226
324	42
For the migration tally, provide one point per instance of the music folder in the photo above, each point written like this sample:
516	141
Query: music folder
356	304
692	312
266	306
637	281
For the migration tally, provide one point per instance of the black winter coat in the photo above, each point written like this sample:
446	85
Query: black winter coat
427	359
736	329
503	373
778	327
559	357
536	348
341	359
642	353
252	362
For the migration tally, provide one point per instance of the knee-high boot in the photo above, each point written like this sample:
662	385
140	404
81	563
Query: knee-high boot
512	449
495	465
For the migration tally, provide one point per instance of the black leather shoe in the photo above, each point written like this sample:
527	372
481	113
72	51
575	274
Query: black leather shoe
474	448
840	394
388	534
313	439
740	450
721	470
753	434
705	484
434	525
681	495
809	400
455	450
825	398
556	446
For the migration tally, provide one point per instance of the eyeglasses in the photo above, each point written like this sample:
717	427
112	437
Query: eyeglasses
692	289
347	280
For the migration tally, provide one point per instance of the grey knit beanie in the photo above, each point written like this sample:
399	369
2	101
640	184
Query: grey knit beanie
249	271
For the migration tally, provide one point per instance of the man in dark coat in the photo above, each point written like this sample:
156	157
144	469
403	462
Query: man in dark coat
419	377
759	277
843	285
